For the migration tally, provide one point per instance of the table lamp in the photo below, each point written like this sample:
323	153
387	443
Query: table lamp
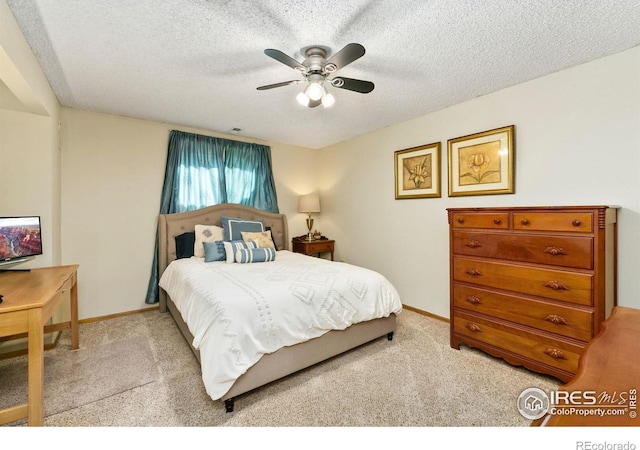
309	204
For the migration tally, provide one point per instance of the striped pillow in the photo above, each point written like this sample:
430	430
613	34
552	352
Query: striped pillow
255	255
231	247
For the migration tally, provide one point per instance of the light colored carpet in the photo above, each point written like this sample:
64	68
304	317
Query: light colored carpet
416	380
80	377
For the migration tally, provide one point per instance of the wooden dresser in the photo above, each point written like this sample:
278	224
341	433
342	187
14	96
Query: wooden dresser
532	285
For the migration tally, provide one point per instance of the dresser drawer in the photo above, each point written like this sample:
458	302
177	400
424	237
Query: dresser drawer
578	222
573	287
496	221
571	322
569	251
558	353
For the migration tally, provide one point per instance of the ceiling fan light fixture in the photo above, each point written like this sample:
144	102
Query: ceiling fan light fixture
327	99
314	91
303	99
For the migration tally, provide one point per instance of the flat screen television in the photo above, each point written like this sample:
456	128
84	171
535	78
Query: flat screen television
20	239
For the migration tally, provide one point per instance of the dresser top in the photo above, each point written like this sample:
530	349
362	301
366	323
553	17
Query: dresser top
532	208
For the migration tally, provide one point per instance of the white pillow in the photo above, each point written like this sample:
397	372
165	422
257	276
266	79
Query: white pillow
205	233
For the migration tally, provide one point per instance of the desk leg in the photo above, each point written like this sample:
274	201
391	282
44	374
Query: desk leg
35	378
75	332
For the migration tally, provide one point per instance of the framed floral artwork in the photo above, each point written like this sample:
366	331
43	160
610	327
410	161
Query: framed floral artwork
482	163
418	172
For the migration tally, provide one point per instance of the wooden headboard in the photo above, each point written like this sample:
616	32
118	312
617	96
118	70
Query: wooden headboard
172	225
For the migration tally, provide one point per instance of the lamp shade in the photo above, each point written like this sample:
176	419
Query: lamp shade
309	203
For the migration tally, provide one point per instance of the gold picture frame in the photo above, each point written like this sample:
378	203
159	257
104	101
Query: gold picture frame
417	172
482	163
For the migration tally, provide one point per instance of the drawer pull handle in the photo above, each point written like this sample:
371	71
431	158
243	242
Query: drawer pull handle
473	272
555	353
460	220
555	251
556	285
497	221
473	328
474	244
576	223
524	221
556	319
473	300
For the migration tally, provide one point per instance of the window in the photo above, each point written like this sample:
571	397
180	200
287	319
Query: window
203	171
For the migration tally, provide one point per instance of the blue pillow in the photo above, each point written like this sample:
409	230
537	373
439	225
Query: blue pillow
214	251
232	227
254	255
184	244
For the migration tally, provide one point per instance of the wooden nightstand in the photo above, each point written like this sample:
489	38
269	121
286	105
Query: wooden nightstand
313	247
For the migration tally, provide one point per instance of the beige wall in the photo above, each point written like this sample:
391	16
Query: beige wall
577	142
29	153
29	149
112	175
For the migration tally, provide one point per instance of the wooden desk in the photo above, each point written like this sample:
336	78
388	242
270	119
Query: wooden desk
30	299
609	364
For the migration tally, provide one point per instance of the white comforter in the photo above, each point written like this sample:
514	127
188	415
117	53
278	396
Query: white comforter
239	312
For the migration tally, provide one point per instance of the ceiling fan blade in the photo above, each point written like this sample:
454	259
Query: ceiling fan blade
275	85
284	59
347	55
351	84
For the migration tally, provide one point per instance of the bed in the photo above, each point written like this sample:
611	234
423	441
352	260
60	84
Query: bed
283	356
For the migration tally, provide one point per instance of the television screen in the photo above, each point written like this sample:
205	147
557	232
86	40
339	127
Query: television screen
19	238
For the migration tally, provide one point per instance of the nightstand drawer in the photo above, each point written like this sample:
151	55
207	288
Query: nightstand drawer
313	247
317	247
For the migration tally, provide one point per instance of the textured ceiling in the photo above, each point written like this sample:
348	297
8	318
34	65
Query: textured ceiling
197	63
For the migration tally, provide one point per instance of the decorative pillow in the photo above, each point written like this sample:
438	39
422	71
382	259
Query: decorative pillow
184	244
274	241
255	255
233	226
230	248
263	238
205	233
214	251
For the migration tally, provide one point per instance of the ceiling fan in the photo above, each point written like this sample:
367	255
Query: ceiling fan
316	70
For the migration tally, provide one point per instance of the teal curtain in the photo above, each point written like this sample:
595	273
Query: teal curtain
203	171
249	177
194	175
